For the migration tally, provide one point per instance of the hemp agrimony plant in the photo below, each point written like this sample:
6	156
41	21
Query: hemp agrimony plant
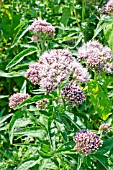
60	99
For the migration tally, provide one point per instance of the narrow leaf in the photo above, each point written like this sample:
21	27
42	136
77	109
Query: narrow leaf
28	164
16	116
19	57
4	118
4	96
33	100
19	34
12	74
107	146
103	160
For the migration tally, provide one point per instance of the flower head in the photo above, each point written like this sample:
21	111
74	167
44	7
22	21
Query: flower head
95	55
104	128
109	6
87	141
73	94
34	38
109	68
16	99
41	26
54	67
42	104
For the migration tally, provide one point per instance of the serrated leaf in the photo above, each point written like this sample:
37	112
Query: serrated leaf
19	57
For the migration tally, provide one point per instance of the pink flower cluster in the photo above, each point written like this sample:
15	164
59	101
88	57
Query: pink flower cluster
73	93
41	26
95	54
109	68
104	127
54	67
109	6
16	99
42	104
87	141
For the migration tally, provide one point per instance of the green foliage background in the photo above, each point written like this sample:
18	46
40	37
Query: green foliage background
43	139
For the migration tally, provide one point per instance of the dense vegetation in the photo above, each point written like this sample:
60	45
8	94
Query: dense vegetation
56	85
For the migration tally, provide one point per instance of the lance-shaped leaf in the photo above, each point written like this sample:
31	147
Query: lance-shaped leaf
107	146
102	160
12	74
33	100
4	118
20	33
19	57
12	123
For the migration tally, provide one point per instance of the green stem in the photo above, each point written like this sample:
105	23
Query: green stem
80	162
12	13
39	50
83	10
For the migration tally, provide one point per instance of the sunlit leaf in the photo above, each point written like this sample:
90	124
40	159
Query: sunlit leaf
19	57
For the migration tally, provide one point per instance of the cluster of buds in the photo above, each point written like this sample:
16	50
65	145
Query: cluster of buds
73	94
54	67
109	68
41	26
16	99
34	38
41	104
104	128
95	55
87	142
109	6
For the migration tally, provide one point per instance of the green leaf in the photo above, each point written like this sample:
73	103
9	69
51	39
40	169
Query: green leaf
65	16
107	146
32	132
99	28
22	122
12	123
108	32
103	160
28	164
101	25
20	33
47	155
66	147
23	88
12	74
110	41
4	118
19	57
47	164
4	96
78	124
33	100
